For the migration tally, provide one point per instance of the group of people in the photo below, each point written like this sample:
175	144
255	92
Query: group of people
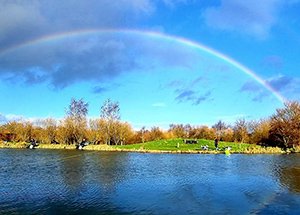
82	144
33	144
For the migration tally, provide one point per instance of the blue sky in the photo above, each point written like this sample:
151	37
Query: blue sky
157	80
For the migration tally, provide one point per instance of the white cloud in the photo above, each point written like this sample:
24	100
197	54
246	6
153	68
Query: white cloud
5	118
2	119
10	117
252	17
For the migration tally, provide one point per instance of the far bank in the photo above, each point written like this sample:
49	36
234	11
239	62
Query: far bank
175	146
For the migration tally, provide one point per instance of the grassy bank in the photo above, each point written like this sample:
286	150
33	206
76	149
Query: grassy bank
164	146
23	145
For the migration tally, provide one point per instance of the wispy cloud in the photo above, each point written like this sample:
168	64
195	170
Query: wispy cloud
281	83
256	91
197	81
99	89
286	85
189	91
202	98
183	84
104	88
194	97
185	95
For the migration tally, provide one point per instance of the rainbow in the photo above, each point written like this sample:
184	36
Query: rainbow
151	34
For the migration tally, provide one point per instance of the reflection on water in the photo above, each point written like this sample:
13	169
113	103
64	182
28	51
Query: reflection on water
72	171
80	182
291	178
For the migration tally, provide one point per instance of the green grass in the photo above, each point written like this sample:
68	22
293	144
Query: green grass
171	145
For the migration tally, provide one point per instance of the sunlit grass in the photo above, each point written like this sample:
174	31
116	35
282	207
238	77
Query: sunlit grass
297	149
19	145
178	145
16	145
168	146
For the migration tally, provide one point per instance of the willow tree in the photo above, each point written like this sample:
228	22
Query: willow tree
50	128
75	122
110	113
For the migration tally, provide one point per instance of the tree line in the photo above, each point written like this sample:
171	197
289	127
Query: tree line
282	129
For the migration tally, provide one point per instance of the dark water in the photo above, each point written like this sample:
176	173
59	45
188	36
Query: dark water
80	182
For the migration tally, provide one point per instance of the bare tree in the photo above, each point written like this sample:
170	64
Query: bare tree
220	127
124	133
228	135
78	110
241	131
177	130
155	134
110	112
203	132
76	120
50	127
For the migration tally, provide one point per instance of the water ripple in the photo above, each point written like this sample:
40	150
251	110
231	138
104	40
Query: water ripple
74	182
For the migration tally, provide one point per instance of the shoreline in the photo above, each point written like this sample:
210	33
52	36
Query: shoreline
106	148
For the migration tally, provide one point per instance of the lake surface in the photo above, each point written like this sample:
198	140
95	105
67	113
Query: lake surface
83	182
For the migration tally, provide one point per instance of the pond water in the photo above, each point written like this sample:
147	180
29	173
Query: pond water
84	182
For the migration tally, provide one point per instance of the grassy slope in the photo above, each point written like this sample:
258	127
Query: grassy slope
171	145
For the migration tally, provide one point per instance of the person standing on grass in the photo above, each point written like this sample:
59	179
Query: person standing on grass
216	142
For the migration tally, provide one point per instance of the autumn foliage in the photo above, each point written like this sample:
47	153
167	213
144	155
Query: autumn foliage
285	126
281	129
